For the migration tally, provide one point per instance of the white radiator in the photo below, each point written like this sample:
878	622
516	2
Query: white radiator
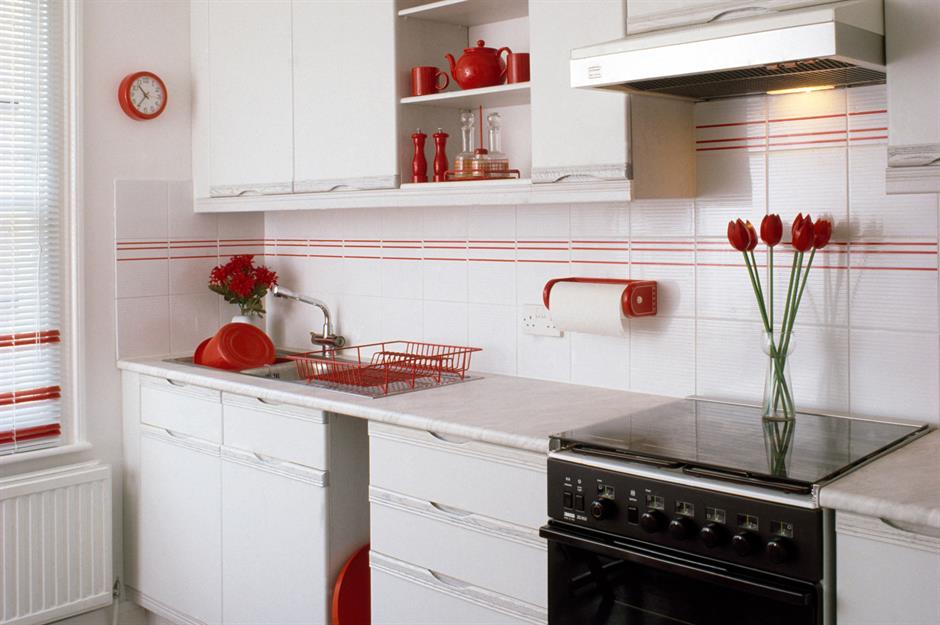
55	543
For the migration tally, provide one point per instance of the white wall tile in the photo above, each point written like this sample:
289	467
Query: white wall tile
809	181
730	362
402	278
445	280
600	360
402	319
493	328
492	283
819	359
446	322
143	326
141	278
552	221
543	357
445	222
191	275
362	276
895	375
491	222
183	222
140	209
662	356
192	319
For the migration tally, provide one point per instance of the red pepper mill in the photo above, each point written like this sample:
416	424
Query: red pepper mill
419	164
440	155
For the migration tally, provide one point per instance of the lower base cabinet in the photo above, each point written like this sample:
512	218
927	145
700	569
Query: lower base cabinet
274	551
887	573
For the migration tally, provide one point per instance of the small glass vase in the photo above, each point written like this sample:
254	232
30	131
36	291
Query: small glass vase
778	404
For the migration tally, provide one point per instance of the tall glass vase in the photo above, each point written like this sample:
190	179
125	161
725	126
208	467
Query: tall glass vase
778	409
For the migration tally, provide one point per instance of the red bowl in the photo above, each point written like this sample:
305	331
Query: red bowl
200	351
351	594
238	346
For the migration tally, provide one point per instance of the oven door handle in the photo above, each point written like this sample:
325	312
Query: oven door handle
681	566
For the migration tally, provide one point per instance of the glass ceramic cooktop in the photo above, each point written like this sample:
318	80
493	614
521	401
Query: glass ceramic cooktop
705	436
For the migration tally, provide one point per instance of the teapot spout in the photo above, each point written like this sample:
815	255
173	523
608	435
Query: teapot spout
452	63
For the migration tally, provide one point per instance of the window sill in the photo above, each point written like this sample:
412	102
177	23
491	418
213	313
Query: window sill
29	456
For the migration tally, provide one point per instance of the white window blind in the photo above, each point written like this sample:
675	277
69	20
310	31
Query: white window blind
32	160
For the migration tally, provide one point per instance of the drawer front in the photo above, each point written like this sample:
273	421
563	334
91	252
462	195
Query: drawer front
404	594
492	481
285	432
182	408
501	557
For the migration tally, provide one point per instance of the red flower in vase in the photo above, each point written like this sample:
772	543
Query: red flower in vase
802	233
240	282
742	235
771	229
822	232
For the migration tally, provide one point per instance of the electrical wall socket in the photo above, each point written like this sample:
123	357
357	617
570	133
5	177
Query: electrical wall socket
538	320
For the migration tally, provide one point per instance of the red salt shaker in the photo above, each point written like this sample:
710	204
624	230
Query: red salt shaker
419	164
440	155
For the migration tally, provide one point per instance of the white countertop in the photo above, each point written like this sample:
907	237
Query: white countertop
504	410
903	486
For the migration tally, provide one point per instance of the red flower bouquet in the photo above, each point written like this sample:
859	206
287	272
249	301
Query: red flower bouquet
241	282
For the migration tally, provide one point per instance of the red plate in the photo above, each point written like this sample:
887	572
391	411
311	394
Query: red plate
351	597
239	346
200	351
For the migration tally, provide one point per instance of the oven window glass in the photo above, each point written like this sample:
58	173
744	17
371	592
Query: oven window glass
592	588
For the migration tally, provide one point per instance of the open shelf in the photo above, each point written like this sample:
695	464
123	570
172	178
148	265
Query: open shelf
499	95
465	12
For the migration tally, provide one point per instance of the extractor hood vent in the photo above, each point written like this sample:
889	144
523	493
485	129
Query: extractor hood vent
839	44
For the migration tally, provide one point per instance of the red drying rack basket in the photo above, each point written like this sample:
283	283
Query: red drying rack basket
638	300
386	367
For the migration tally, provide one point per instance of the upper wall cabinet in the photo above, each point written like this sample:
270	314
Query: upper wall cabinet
285	101
913	53
590	135
243	95
646	15
344	95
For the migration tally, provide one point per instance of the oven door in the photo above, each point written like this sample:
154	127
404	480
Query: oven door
599	580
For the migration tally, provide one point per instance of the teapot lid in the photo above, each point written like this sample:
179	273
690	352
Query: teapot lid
480	47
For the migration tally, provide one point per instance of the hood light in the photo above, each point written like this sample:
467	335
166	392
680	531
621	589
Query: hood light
800	90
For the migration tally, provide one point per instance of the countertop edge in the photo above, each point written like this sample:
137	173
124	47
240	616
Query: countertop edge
878	507
274	390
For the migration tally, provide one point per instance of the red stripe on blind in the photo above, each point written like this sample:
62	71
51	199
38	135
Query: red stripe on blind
33	394
29	338
25	434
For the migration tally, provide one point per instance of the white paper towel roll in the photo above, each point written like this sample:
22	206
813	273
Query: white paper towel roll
588	307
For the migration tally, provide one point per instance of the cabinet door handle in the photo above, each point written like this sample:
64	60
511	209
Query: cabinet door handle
450	511
447	580
454	440
913	528
733	13
268	401
175	382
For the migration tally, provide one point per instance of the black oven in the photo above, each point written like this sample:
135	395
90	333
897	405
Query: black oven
597	578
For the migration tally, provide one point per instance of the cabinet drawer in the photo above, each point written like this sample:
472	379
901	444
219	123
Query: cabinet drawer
182	408
402	593
496	555
490	480
281	431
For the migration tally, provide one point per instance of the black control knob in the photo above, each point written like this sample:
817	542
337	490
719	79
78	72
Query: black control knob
745	543
682	527
779	550
713	535
652	521
601	508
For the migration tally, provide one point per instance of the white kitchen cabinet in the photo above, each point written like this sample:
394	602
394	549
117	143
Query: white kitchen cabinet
646	15
887	573
344	102
912	47
437	503
274	542
243	125
179	543
590	135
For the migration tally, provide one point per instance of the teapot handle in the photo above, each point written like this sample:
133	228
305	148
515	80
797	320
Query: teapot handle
502	72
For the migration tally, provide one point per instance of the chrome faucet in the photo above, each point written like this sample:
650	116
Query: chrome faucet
324	339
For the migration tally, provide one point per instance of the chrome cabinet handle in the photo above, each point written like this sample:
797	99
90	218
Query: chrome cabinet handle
445	438
449	510
176	383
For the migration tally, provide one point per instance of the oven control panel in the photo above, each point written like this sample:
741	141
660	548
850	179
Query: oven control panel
749	532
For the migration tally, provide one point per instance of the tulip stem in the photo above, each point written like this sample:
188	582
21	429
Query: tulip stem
770	281
799	297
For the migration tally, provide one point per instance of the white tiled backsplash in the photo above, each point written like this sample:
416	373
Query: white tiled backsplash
868	340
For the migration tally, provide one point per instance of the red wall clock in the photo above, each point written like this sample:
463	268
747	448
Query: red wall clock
142	95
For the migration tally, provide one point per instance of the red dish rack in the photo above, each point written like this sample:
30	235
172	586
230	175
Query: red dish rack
379	369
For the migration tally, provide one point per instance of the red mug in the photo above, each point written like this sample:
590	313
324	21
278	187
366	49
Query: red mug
517	64
425	80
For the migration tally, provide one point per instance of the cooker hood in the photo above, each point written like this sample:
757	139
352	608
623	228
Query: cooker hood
837	44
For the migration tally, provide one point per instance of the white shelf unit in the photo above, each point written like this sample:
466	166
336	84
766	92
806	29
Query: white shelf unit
465	12
487	97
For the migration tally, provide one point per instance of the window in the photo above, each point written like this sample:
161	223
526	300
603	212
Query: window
33	197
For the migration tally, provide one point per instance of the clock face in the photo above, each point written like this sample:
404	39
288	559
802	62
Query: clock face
147	95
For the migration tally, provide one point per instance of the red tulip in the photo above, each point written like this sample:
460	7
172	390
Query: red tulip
802	233
822	232
751	236
738	235
771	229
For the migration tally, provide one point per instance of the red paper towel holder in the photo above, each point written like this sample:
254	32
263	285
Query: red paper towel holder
638	300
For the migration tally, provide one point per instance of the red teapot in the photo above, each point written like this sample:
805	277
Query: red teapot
479	66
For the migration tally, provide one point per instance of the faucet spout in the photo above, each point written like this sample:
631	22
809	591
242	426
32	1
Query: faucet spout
324	338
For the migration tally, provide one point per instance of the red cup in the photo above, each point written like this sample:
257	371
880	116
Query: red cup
426	80
517	67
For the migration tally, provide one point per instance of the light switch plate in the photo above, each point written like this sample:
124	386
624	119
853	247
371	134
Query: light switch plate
537	320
